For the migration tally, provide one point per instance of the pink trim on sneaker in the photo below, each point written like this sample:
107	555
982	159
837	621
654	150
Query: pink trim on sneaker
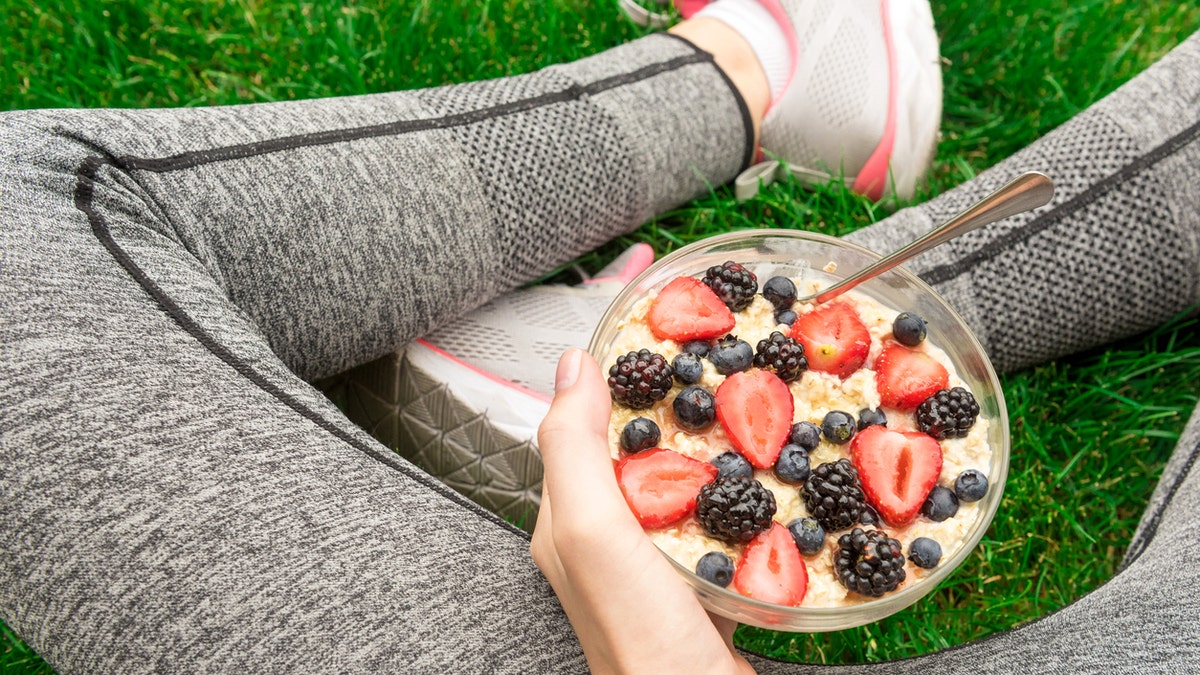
494	378
641	256
689	7
872	178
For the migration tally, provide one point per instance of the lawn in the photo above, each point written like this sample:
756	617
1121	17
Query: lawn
1090	433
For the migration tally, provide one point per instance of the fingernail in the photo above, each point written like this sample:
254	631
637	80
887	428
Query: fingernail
568	369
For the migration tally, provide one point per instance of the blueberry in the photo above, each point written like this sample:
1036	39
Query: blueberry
908	329
780	291
732	464
866	416
940	504
792	466
809	535
731	355
640	434
970	486
698	347
838	427
925	552
716	567
695	408
688	368
786	317
805	435
868	515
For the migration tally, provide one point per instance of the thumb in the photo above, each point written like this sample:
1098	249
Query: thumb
573	439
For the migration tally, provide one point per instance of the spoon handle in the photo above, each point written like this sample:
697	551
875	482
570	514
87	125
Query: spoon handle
1027	191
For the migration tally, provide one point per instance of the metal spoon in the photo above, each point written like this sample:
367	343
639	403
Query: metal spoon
1025	192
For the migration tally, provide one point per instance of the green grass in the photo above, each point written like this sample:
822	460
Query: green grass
1090	433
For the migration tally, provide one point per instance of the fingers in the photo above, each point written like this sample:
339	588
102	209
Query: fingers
573	439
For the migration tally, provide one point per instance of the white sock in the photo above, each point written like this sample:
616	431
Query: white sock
766	37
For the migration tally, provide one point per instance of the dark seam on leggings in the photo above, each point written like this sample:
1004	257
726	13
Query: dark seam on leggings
1142	541
84	194
947	272
1138	545
1172	145
743	108
574	92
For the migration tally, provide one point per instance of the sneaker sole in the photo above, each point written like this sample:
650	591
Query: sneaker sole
446	418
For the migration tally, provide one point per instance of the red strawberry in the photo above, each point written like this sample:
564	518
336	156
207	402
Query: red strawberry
687	309
755	408
661	485
897	469
771	569
834	338
906	377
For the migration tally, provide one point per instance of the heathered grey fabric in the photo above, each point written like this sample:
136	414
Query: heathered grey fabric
174	497
1116	251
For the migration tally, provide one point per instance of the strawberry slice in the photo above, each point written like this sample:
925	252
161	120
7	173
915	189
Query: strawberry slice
661	485
755	408
897	469
835	340
772	569
687	309
906	377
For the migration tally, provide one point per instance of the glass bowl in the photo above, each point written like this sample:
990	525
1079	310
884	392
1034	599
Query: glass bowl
805	256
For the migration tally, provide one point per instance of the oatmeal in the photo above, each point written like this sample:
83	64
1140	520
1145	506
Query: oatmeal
776	393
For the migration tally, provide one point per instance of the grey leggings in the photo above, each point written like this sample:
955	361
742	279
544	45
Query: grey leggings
174	496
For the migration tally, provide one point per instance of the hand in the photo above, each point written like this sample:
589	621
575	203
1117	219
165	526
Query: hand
631	610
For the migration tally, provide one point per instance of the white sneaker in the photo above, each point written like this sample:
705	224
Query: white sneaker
464	402
864	98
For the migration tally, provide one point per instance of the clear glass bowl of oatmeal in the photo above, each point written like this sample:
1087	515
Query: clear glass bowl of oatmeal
814	261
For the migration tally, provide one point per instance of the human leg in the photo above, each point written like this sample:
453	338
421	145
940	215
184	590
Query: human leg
1116	253
1145	618
174	495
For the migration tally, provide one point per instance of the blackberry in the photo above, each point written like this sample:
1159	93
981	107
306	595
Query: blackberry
716	567
838	427
695	408
783	355
735	509
869	562
834	496
948	414
940	504
868	417
970	486
734	285
640	434
640	378
925	552
786	317
731	355
731	463
792	466
780	291
809	535
908	329
688	368
806	435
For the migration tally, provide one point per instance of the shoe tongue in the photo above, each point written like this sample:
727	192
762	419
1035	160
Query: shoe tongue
628	265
